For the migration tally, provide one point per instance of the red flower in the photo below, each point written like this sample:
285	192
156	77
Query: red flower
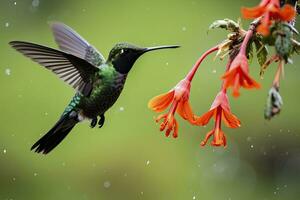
238	75
178	98
220	110
269	10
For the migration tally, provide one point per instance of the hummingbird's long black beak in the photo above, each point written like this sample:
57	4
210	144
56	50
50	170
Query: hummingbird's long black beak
161	47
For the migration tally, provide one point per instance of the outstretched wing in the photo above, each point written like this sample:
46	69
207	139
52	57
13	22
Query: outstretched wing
75	71
71	42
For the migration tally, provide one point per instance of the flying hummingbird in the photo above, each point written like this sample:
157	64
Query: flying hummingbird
98	82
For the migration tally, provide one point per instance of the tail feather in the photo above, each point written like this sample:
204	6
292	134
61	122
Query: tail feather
56	134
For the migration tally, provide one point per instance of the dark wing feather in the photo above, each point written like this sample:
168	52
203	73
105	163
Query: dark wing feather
71	42
75	71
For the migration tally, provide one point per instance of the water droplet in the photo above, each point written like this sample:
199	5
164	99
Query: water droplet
214	71
184	28
249	139
194	197
35	174
4	151
106	184
7	24
63	164
7	71
142	193
35	3
14	179
148	162
122	109
46	113
167	63
15	3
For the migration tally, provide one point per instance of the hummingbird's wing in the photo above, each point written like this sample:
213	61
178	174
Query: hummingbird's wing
75	71
71	42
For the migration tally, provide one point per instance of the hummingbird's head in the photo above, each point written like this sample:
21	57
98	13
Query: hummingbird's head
123	55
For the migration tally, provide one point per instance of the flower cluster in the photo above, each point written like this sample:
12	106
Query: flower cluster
271	27
270	11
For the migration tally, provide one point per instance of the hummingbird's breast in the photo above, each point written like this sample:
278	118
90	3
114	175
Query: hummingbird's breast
104	94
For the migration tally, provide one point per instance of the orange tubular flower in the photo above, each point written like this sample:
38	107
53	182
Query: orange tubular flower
220	110
238	75
269	10
178	98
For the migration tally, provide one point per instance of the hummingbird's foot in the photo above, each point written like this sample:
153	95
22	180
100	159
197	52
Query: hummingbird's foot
93	122
101	120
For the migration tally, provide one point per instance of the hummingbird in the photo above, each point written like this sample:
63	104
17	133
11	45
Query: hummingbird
98	82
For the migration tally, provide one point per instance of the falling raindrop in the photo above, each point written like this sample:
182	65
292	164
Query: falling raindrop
194	197
106	184
7	24
148	162
214	71
249	139
35	3
8	71
184	28
35	174
15	3
4	151
121	109
252	146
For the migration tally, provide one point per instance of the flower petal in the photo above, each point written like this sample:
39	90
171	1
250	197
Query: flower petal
161	102
208	135
204	119
230	119
219	138
175	133
185	111
287	13
252	13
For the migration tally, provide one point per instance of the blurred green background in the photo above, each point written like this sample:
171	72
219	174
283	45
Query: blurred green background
129	158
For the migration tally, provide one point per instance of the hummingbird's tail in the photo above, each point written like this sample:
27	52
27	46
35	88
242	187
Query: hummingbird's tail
56	134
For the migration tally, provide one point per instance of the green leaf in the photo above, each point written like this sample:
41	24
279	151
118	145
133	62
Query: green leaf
261	51
227	24
249	52
296	46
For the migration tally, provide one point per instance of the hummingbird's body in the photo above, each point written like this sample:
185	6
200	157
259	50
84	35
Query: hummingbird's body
106	90
98	82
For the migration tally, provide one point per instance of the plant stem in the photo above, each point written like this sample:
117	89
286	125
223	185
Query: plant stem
191	74
223	89
276	82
